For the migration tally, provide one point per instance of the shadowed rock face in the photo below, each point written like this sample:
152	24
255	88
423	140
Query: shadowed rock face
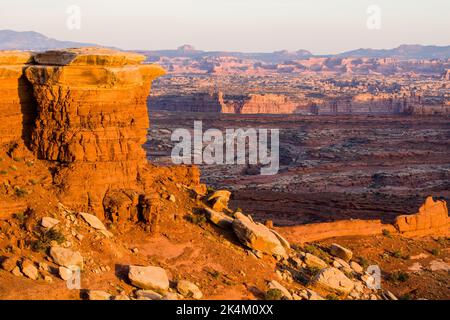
17	105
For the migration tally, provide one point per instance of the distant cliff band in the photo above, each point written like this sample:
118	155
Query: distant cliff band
365	103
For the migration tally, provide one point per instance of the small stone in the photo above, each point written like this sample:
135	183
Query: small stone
121	297
135	250
171	296
43	266
356	267
48	222
172	198
341	252
98	295
189	289
148	295
314	262
65	273
389	295
48	279
16	271
276	285
359	287
9	264
29	270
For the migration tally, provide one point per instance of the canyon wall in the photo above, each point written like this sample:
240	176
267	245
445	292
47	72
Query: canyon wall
260	103
365	103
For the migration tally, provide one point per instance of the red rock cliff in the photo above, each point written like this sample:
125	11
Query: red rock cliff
85	116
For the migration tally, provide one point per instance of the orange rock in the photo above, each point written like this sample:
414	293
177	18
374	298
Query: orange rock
432	219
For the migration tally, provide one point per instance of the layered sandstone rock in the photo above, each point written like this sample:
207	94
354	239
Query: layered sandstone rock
432	219
91	124
17	106
260	103
91	106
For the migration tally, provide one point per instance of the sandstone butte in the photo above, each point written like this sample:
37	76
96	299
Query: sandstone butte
82	114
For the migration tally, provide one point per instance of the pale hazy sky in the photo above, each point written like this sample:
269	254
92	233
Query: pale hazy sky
321	26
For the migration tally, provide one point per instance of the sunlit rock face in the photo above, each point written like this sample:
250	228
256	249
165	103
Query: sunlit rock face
91	120
92	104
432	219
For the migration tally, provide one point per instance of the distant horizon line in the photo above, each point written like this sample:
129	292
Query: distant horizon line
234	50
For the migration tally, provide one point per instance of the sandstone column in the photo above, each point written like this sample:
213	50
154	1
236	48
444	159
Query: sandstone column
92	119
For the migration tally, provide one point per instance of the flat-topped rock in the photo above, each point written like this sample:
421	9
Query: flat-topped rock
88	56
15	57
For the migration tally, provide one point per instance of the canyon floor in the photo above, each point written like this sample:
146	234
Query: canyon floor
331	167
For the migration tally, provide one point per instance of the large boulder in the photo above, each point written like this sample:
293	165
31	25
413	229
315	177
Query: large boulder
341	252
257	236
66	257
219	219
93	221
152	278
332	279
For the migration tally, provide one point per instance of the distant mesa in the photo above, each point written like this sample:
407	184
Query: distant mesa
415	51
186	48
30	40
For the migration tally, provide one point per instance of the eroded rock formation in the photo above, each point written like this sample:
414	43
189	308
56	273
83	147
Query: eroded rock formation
84	114
432	219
